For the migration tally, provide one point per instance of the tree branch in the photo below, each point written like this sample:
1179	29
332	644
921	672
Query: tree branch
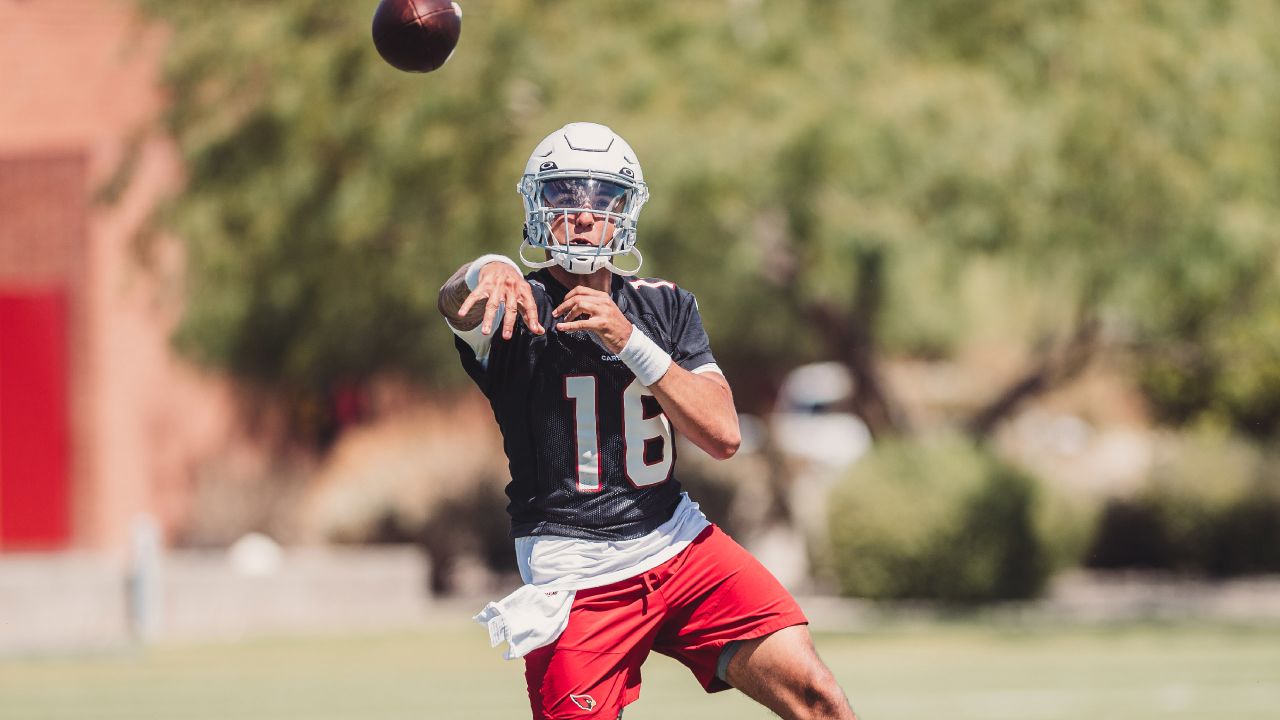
1052	370
850	338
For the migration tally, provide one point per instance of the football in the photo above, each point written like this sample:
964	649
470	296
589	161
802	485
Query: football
416	35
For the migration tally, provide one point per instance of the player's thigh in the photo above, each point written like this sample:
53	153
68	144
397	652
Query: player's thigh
783	672
594	666
721	594
566	683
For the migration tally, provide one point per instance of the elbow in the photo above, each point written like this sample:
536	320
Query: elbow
726	446
442	302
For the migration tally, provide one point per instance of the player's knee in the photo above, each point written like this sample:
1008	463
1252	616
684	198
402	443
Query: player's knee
820	696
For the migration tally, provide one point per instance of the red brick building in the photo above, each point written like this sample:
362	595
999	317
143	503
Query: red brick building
99	420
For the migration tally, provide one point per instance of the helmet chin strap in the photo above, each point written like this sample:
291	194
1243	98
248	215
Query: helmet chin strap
626	273
535	264
568	261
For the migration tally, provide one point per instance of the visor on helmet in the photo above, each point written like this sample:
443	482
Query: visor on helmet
579	193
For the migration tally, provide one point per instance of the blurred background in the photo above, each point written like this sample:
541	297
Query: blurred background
997	285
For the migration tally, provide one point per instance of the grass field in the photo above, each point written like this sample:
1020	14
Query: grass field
932	671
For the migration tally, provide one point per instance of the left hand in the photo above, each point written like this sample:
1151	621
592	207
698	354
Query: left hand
587	309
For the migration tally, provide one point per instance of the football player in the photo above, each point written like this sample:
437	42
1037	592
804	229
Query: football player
588	369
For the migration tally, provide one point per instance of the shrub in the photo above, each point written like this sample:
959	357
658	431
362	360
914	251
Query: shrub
941	521
1211	507
1246	538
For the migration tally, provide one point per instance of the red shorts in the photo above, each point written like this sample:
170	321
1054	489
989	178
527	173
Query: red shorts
689	608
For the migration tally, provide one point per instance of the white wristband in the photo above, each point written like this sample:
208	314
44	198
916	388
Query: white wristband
473	272
644	358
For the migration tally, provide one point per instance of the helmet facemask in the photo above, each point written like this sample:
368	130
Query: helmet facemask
553	202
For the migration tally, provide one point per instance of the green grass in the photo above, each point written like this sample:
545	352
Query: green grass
931	671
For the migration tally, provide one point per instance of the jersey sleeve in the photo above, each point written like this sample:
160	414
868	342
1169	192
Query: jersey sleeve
473	350
477	340
476	369
692	347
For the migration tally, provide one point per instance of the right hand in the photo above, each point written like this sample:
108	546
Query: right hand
500	283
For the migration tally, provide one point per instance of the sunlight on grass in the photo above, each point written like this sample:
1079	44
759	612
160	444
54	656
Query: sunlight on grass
958	671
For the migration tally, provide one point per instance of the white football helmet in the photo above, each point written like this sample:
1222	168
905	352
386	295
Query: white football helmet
582	167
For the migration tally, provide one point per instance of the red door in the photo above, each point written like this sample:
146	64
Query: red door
34	484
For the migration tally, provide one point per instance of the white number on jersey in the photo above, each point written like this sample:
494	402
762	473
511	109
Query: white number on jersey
638	433
581	389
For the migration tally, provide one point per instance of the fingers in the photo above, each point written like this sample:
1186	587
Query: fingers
522	302
490	309
583	308
593	310
581	303
509	320
529	307
564	307
584	324
580	313
578	296
499	290
476	296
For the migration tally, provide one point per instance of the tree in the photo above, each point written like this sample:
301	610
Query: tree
1109	167
850	181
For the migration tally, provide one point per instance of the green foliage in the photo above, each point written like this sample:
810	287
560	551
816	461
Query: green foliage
985	168
940	521
1226	368
1212	507
327	193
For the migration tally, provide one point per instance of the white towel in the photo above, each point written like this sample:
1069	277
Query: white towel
554	568
527	619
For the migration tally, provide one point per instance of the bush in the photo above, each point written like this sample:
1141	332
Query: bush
940	521
1211	507
1161	531
1246	538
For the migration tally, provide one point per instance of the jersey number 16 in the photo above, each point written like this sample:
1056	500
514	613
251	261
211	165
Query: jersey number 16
638	432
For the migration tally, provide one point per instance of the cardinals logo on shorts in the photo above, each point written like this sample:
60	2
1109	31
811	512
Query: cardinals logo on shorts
586	702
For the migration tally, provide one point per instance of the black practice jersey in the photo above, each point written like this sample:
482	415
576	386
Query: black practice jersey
590	451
